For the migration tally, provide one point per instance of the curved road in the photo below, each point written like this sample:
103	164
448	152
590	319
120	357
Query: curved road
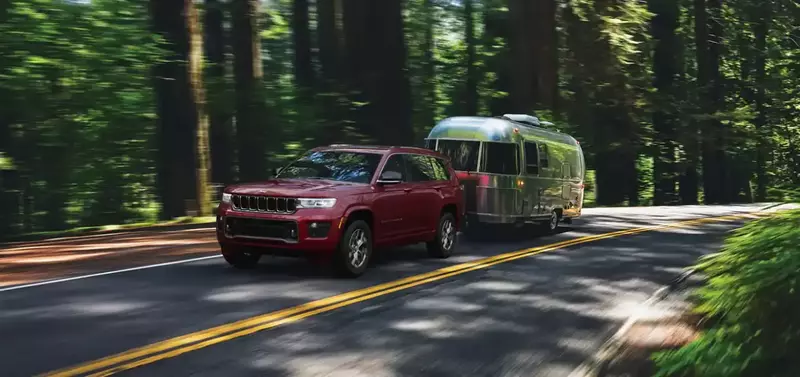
506	308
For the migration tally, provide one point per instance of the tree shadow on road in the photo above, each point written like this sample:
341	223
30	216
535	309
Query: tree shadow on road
540	315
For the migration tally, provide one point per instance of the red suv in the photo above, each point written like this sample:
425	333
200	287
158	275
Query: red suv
342	201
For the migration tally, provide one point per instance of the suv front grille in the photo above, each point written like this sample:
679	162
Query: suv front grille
261	229
270	204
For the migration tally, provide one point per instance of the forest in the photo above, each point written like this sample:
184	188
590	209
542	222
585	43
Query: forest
124	111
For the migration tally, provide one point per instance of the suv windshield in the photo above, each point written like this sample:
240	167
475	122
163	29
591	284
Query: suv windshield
342	166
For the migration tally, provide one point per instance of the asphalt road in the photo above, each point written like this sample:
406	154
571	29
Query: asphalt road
538	315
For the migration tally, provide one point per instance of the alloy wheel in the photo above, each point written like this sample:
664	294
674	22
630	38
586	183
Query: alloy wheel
357	255
448	234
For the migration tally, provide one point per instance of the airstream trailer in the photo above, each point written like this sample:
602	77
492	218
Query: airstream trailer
513	171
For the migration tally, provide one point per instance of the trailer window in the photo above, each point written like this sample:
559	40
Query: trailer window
531	158
500	158
544	160
463	154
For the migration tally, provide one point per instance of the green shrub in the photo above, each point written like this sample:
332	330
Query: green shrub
753	292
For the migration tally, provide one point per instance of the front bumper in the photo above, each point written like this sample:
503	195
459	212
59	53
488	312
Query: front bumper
305	231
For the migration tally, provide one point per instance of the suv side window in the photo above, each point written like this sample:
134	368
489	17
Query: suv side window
419	168
396	163
440	169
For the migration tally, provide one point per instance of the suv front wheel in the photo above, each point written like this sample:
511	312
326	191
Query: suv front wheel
445	242
355	249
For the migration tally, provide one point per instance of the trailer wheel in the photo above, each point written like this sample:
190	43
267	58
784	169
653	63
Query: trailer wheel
551	226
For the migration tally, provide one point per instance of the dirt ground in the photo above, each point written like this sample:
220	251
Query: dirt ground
29	262
645	338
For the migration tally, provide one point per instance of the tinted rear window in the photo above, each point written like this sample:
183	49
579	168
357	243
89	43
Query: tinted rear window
440	168
419	168
463	154
500	158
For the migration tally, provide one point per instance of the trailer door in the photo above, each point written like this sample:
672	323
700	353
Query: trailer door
566	185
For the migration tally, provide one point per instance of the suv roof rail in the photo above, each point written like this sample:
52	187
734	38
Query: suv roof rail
357	146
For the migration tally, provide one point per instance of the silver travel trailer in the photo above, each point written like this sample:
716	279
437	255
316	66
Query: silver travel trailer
513	171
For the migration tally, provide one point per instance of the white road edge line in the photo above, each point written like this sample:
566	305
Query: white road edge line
47	282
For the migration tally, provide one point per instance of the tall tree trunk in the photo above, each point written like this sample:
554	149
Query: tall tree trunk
219	115
760	31
707	65
665	68
726	187
330	38
7	211
598	80
496	28
689	181
429	67
393	95
534	47
523	65
303	69
177	121
471	95
250	106
376	60
201	151
545	39
357	62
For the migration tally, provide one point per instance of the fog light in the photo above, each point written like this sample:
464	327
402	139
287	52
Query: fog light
318	229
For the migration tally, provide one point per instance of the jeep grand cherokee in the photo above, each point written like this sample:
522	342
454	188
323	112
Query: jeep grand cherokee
340	202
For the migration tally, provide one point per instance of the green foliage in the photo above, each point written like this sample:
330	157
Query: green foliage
754	292
78	95
76	82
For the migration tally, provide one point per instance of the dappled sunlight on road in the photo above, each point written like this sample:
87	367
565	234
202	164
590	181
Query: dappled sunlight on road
544	313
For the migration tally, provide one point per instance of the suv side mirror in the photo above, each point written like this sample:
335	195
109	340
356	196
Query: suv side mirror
390	177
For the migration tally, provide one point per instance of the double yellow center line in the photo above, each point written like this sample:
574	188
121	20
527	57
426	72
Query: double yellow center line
190	342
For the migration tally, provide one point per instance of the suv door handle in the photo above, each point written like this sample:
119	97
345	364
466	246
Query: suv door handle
407	189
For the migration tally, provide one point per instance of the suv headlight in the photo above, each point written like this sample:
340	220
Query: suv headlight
315	203
226	198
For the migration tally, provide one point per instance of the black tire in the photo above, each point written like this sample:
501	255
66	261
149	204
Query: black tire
444	244
551	225
240	257
345	263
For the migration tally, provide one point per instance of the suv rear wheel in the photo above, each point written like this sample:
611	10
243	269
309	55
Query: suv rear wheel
355	249
240	257
446	238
